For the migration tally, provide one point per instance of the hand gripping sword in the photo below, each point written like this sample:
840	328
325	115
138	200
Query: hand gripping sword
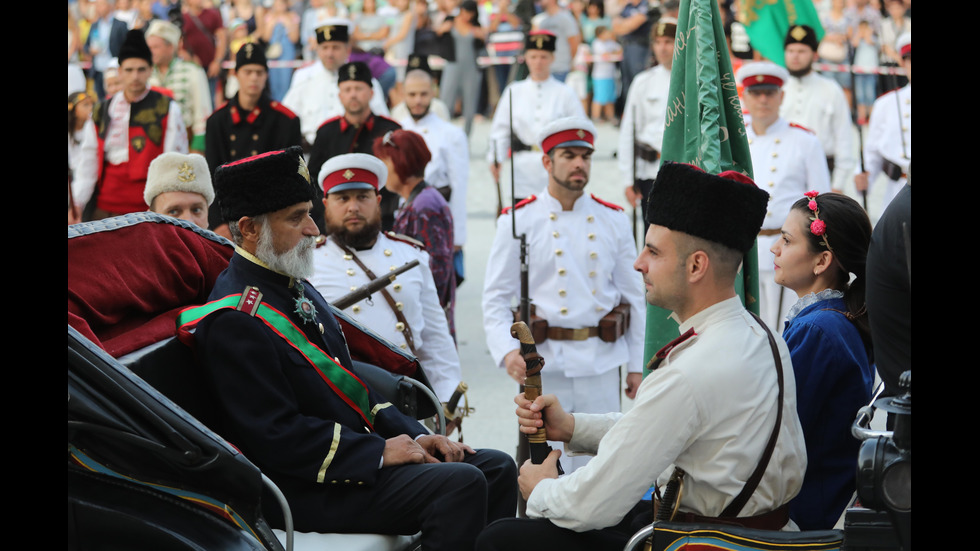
538	442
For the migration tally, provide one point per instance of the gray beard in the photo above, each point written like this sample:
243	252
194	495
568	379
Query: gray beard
296	262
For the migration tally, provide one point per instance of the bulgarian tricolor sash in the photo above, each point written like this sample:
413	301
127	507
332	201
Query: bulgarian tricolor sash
344	384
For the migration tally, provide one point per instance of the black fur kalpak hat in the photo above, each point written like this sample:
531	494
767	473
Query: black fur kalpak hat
262	184
801	34
727	209
135	46
354	70
251	54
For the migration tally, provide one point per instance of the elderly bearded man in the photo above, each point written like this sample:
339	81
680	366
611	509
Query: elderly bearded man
345	459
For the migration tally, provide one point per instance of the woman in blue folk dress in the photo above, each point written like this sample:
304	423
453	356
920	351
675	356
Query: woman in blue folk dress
821	256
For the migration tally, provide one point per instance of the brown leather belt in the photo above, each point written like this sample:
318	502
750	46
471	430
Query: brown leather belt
768	233
567	334
773	520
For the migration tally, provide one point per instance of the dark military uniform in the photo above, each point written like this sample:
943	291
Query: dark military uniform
234	134
318	449
338	137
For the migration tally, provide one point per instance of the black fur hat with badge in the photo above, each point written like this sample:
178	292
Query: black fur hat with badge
263	183
727	208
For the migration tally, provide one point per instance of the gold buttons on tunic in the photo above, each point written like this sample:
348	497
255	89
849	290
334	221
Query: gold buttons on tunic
597	308
350	272
353	288
561	271
561	292
255	137
591	237
590	218
400	306
392	268
348	257
593	255
554	234
356	309
397	287
558	252
772	169
387	252
403	346
553	216
592	273
400	326
774	154
776	141
232	137
564	311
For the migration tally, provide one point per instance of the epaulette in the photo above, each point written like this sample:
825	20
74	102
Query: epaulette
801	127
282	109
328	121
405	239
520	204
320	241
613	206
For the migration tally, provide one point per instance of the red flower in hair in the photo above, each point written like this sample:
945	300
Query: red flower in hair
812	205
812	194
818	227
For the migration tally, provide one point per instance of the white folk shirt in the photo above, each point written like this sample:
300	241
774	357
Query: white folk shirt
535	105
336	274
450	164
580	268
818	103
890	137
647	98
709	410
314	96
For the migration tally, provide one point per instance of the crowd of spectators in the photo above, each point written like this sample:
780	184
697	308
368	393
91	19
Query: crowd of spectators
602	44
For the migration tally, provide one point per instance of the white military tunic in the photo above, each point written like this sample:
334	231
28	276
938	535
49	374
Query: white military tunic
450	164
313	96
580	268
819	104
787	161
647	97
535	105
890	137
709	409
337	274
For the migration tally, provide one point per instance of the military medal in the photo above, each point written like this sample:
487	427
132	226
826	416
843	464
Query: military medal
304	306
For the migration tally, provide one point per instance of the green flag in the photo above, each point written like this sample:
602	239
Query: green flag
704	127
768	21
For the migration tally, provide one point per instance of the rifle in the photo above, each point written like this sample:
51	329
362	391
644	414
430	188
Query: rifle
537	442
864	193
633	116
496	180
365	291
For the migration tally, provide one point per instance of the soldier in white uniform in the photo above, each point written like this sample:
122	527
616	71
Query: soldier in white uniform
313	92
646	111
538	100
787	161
818	103
709	406
580	258
449	169
355	242
888	147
